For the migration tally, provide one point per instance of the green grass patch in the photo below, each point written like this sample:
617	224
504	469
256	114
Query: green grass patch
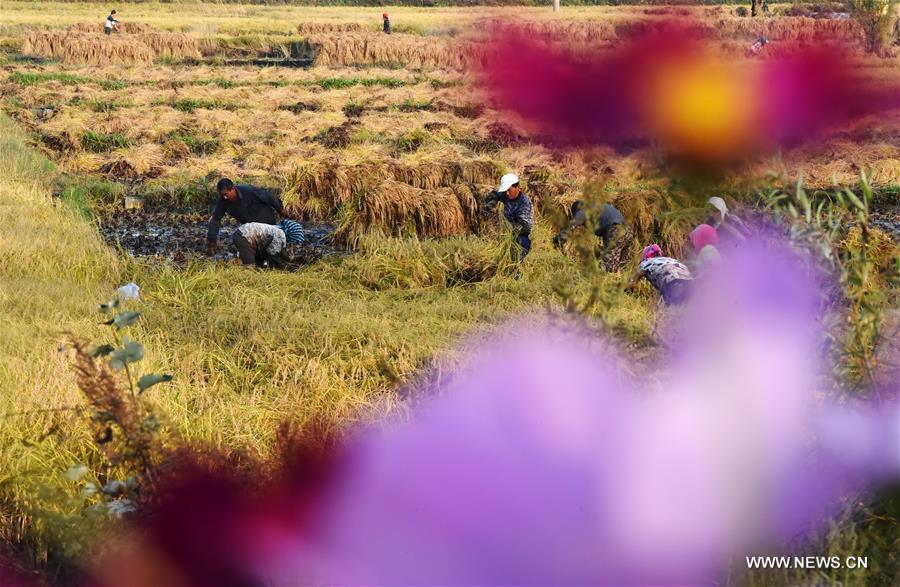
199	145
103	143
30	78
85	195
411	141
413	105
99	105
111	84
188	105
181	191
337	83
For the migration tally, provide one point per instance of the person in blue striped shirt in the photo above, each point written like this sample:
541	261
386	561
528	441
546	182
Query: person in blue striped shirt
293	232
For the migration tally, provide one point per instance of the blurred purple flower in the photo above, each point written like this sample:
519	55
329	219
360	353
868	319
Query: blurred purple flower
541	463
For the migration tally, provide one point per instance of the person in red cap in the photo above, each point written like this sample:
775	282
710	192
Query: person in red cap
669	276
387	23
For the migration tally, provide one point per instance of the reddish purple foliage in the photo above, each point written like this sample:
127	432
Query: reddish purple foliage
611	96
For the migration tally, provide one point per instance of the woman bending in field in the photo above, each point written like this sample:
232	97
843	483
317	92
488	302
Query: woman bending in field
671	278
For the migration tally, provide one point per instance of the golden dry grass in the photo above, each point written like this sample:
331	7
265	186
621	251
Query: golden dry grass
91	48
317	28
260	138
393	208
98	48
124	27
378	49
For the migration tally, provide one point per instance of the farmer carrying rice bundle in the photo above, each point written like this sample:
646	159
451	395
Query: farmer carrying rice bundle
516	208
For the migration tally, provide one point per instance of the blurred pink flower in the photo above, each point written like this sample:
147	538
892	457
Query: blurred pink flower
542	463
673	86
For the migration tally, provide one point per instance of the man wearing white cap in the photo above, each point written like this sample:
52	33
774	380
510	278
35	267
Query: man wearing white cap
516	208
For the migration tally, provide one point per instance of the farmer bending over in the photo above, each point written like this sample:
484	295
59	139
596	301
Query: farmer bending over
259	243
705	240
111	24
245	203
516	208
609	225
757	46
387	23
722	219
670	277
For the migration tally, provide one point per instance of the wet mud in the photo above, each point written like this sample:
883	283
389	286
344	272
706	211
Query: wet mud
180	235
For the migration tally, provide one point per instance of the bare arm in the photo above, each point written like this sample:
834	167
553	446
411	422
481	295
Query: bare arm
212	232
579	219
634	279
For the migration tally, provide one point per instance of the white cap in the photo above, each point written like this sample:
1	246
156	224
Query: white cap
507	182
719	204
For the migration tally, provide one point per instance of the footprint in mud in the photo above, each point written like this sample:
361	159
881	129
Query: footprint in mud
179	235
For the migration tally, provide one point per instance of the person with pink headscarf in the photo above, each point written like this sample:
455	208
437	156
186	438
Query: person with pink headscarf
705	240
669	276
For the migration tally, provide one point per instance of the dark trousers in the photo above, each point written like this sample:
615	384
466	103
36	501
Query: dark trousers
524	240
677	291
251	255
248	254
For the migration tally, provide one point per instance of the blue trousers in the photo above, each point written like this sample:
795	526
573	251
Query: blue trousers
524	240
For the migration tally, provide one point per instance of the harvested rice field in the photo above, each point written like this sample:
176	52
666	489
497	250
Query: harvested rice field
347	139
385	148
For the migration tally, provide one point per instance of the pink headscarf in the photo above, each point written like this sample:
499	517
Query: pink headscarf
651	251
704	235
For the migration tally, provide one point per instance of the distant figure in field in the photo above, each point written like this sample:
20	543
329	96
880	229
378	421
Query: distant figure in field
245	203
759	5
111	24
264	244
608	224
670	277
516	208
756	48
387	23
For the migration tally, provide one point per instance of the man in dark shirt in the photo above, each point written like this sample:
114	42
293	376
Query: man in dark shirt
609	225
516	208
245	203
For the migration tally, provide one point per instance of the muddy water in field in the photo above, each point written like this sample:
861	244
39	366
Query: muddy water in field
178	235
887	219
